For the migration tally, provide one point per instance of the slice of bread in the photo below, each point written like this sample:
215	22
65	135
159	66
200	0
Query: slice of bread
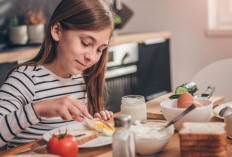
91	123
100	126
82	135
203	154
203	148
209	143
203	131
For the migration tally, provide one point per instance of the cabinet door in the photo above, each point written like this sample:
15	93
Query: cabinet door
154	69
4	70
119	87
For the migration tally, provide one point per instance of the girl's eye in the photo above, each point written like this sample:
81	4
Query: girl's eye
100	51
85	44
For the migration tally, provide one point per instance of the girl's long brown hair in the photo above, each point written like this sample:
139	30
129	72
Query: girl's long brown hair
80	15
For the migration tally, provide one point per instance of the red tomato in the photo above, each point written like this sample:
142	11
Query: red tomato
64	145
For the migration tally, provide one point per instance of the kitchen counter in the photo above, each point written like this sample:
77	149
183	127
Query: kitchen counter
117	39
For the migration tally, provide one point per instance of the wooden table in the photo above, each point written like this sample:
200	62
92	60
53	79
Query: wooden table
153	109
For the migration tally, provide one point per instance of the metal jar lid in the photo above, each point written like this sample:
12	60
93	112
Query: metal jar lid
122	120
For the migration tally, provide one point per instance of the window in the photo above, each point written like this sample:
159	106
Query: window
219	18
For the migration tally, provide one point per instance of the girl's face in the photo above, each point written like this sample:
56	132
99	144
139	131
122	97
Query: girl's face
79	50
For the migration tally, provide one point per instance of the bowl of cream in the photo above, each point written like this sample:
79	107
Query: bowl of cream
148	139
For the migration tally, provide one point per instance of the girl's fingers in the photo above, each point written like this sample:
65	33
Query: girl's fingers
107	113
65	115
74	111
79	119
81	107
111	113
67	107
103	115
77	114
97	115
86	113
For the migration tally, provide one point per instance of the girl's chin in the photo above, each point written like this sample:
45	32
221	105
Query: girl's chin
76	72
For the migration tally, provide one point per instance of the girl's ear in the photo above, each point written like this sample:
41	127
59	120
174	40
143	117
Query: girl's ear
56	31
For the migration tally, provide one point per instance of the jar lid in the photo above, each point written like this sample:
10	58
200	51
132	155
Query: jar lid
122	120
226	111
129	97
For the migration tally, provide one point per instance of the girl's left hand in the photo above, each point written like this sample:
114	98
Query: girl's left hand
104	115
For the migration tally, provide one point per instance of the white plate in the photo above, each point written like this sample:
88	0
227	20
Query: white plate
97	142
217	109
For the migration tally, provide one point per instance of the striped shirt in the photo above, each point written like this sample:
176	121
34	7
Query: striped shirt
26	85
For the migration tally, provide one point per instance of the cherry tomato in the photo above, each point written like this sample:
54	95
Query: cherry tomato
64	145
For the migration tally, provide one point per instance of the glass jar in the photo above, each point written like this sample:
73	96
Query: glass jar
135	106
228	121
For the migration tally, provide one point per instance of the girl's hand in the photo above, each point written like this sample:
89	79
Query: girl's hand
104	115
66	107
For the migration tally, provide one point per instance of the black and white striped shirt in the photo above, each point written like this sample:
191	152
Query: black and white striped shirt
26	85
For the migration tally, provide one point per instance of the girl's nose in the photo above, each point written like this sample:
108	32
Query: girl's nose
90	56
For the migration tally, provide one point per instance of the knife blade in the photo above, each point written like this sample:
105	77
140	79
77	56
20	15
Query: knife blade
208	93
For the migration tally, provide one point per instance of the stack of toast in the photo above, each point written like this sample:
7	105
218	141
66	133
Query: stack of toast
206	139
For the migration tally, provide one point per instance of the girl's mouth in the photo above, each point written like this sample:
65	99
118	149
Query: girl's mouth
83	65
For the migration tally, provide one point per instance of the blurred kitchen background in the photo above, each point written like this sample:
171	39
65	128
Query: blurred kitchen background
199	49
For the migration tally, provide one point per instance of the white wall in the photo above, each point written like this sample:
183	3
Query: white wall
191	49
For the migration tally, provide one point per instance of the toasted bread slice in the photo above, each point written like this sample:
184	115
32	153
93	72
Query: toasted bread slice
82	135
203	154
91	123
203	131
203	148
209	143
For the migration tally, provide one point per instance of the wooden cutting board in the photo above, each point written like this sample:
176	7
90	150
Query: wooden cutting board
154	110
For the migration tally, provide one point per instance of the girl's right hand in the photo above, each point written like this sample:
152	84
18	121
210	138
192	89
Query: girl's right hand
66	107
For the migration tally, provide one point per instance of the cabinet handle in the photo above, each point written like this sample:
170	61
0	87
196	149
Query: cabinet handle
119	72
154	41
124	57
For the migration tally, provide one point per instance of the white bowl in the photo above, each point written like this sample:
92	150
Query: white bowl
199	114
148	140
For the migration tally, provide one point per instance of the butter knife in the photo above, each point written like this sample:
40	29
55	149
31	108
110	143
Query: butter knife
33	149
207	94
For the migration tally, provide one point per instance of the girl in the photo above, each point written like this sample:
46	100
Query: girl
64	82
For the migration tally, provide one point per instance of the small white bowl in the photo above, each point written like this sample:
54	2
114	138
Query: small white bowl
148	140
199	114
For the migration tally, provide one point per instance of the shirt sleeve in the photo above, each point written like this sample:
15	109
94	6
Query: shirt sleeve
16	108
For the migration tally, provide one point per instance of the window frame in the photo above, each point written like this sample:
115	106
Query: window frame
219	18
